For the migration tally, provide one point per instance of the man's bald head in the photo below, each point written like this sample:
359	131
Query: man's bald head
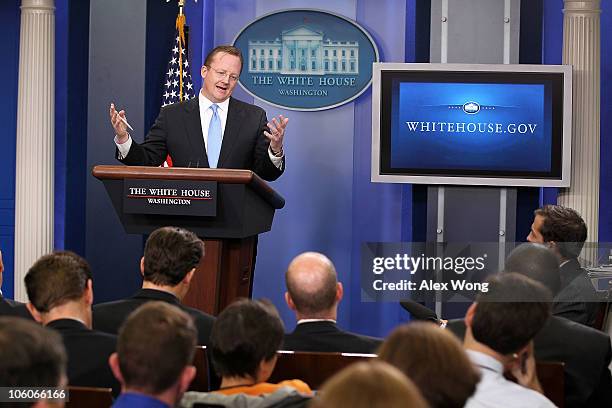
312	285
536	261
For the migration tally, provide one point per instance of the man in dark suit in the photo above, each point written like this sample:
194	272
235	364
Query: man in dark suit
59	287
168	265
564	231
585	351
213	130
10	307
313	293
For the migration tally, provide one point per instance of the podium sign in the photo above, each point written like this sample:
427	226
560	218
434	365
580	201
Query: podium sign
172	197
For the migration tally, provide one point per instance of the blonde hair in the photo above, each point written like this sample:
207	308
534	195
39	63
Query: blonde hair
424	351
374	384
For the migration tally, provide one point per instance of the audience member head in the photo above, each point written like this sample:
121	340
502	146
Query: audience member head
538	262
170	257
244	341
503	321
423	351
59	285
155	349
561	228
313	290
32	356
374	384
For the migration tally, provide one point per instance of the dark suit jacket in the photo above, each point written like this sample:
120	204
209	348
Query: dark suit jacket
178	131
108	317
586	353
328	337
12	308
577	299
88	352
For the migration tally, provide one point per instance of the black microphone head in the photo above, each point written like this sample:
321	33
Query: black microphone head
418	311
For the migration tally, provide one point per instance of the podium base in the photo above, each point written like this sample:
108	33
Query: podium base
224	274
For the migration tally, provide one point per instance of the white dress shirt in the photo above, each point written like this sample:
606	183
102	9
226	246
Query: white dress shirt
494	391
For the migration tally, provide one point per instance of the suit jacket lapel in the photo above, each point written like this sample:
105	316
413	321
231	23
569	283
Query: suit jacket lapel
232	131
193	126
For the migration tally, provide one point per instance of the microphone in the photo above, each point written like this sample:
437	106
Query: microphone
420	312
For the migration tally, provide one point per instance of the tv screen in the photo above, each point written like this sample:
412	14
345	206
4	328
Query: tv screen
504	125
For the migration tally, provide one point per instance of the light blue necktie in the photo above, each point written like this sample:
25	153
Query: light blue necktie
214	137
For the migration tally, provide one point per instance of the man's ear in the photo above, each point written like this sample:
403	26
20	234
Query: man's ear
34	312
89	292
289	301
469	315
186	378
187	279
142	266
339	292
203	71
113	362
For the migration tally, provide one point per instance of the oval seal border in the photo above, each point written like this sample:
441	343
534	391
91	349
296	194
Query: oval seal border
335	104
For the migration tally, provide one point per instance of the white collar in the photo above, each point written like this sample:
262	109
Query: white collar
205	103
485	361
315	320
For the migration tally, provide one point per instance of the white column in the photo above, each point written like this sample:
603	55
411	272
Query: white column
581	49
35	138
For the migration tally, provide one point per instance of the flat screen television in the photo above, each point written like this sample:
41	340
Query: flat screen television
472	124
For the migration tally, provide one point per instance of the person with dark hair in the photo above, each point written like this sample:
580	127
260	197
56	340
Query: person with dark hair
564	231
313	293
501	325
423	351
10	307
170	258
31	356
60	293
585	352
212	130
244	342
154	354
373	384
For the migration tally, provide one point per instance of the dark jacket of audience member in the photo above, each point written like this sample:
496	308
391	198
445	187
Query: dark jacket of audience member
313	293
576	300
10	307
423	352
170	257
32	356
60	291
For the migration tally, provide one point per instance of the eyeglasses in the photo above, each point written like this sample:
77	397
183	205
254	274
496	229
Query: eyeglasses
224	74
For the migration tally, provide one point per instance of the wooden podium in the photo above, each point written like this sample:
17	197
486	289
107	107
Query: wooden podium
245	206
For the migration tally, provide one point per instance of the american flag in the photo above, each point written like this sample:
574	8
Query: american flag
178	85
